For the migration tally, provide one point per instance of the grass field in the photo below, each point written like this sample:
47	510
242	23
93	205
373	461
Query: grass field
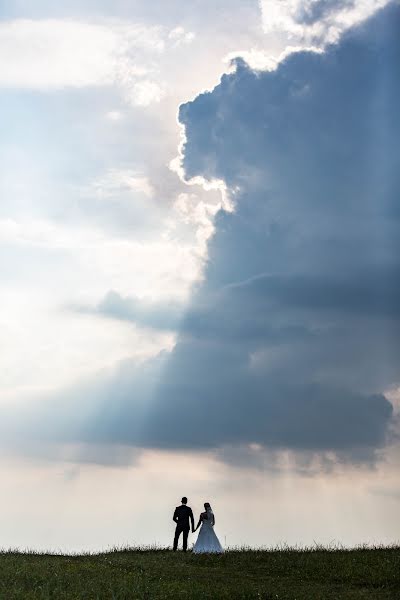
315	574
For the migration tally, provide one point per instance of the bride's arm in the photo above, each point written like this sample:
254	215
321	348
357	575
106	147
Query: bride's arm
198	525
213	520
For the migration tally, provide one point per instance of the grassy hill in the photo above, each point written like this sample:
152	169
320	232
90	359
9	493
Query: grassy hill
315	574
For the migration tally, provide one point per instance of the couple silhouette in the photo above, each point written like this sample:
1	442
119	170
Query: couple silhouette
207	541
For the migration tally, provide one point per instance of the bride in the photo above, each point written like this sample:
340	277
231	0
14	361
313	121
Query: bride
207	540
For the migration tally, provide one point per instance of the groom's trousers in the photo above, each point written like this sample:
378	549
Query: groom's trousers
185	532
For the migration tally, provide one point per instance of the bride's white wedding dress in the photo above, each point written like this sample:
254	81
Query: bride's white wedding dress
207	541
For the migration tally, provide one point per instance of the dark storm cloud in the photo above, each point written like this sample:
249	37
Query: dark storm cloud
311	251
293	337
371	293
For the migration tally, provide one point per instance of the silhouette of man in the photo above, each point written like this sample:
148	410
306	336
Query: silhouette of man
183	516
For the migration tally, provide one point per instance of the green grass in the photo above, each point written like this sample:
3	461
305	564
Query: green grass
284	574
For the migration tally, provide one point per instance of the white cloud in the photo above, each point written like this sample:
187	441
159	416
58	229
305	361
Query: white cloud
54	265
200	214
158	268
179	36
54	54
44	348
259	60
146	92
122	180
315	21
114	115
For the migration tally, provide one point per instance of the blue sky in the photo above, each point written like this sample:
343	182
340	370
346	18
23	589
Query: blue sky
199	268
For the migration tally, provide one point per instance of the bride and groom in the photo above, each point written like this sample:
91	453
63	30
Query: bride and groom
207	541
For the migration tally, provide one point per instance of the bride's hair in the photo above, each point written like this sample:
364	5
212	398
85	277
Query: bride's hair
207	505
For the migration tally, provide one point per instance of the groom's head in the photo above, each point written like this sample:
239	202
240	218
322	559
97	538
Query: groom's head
184	500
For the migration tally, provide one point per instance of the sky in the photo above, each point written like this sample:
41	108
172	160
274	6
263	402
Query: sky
199	271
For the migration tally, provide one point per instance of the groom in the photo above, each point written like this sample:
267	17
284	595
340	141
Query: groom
182	515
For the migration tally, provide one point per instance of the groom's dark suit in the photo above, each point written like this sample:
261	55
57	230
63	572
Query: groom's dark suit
183	517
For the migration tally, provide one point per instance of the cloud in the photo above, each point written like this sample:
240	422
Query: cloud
114	115
392	493
306	267
291	340
316	21
156	315
122	180
179	36
53	54
87	260
146	92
